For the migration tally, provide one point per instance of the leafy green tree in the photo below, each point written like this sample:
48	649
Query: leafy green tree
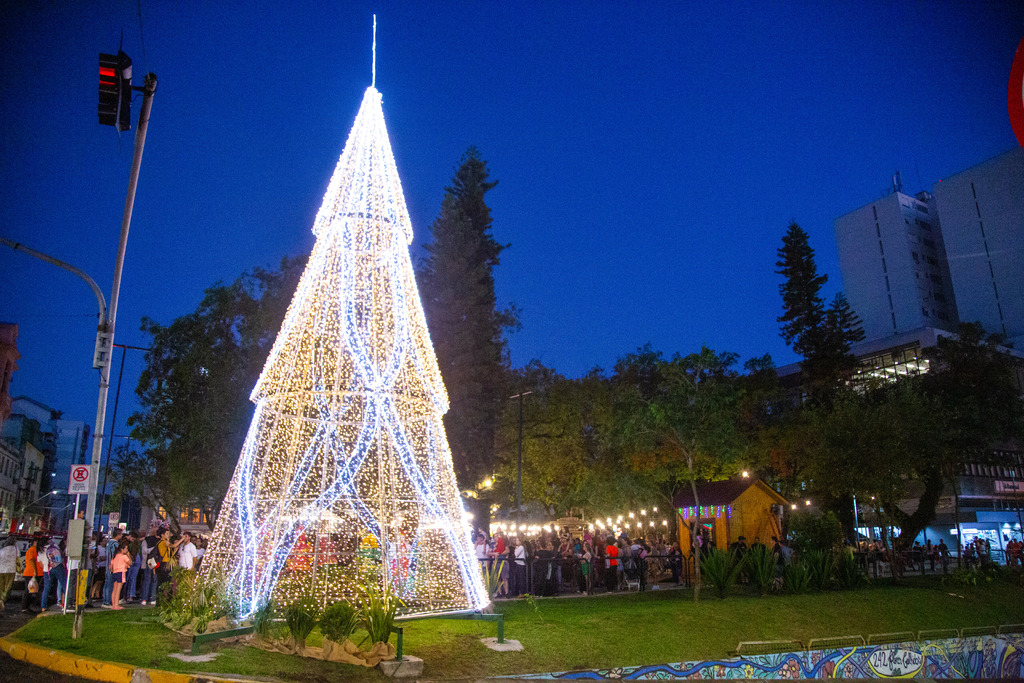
564	421
194	391
978	386
679	419
457	288
880	445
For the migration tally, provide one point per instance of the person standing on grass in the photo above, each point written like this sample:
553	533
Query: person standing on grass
519	585
119	564
200	552
611	564
135	553
186	552
8	568
165	551
113	545
150	560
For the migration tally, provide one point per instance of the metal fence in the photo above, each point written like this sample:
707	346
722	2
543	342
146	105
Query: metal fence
761	647
548	576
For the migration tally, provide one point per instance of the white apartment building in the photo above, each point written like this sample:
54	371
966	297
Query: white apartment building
982	212
893	260
910	262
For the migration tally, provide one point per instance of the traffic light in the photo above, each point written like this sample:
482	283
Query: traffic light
115	107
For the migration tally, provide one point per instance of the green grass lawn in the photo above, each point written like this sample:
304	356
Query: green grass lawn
560	634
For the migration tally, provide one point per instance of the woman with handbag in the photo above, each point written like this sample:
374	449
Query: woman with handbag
32	574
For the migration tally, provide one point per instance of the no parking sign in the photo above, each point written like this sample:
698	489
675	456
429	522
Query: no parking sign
79	482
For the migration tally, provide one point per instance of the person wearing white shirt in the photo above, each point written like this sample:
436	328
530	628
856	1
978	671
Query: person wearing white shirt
8	568
186	552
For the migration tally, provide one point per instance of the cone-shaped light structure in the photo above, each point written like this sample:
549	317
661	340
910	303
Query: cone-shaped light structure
345	477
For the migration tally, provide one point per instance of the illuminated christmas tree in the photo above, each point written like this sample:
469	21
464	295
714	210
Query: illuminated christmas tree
345	477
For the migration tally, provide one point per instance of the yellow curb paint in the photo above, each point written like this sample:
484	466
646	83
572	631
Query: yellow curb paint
92	669
158	676
66	663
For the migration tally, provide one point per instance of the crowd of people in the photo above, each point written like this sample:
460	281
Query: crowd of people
123	568
584	563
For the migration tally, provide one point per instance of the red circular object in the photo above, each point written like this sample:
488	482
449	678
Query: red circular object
80	474
1015	94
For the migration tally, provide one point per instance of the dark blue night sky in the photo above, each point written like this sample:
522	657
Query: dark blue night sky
649	155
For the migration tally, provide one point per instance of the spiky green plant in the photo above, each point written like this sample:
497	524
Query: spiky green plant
761	563
796	578
822	565
849	574
301	617
263	619
492	575
720	569
377	609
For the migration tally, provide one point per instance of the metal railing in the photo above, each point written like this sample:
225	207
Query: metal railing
548	576
764	647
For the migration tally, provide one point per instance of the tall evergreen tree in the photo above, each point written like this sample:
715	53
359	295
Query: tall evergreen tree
842	330
457	287
822	336
803	323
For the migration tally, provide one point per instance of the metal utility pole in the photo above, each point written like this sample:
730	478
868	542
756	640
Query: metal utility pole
133	180
101	406
113	422
519	475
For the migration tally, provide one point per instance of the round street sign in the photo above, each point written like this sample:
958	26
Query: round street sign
1015	94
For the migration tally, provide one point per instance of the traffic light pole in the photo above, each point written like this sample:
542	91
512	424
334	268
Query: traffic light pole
101	405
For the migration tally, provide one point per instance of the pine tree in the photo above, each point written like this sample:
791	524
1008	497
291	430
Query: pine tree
457	283
842	330
822	336
803	324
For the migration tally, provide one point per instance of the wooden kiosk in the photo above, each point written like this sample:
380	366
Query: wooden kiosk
729	509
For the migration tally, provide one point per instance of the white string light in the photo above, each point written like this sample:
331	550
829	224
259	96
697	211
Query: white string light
345	477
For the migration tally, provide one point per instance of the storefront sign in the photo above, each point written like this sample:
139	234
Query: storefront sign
1014	487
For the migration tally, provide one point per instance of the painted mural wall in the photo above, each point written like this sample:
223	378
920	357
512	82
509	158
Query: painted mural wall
975	657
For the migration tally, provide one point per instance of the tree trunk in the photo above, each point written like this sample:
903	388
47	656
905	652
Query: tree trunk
956	518
694	549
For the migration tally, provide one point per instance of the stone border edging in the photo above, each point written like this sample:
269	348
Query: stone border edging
96	669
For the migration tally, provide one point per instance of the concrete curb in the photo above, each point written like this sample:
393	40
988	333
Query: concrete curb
98	670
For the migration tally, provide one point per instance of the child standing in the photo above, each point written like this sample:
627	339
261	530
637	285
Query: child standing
119	567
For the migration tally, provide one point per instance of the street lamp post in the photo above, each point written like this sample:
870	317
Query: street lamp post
519	472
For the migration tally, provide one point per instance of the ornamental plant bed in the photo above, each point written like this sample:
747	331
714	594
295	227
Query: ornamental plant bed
568	633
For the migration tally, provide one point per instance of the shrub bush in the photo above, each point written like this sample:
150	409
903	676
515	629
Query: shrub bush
961	577
338	621
813	531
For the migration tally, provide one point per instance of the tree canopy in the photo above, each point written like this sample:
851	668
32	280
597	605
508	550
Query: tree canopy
194	390
457	288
